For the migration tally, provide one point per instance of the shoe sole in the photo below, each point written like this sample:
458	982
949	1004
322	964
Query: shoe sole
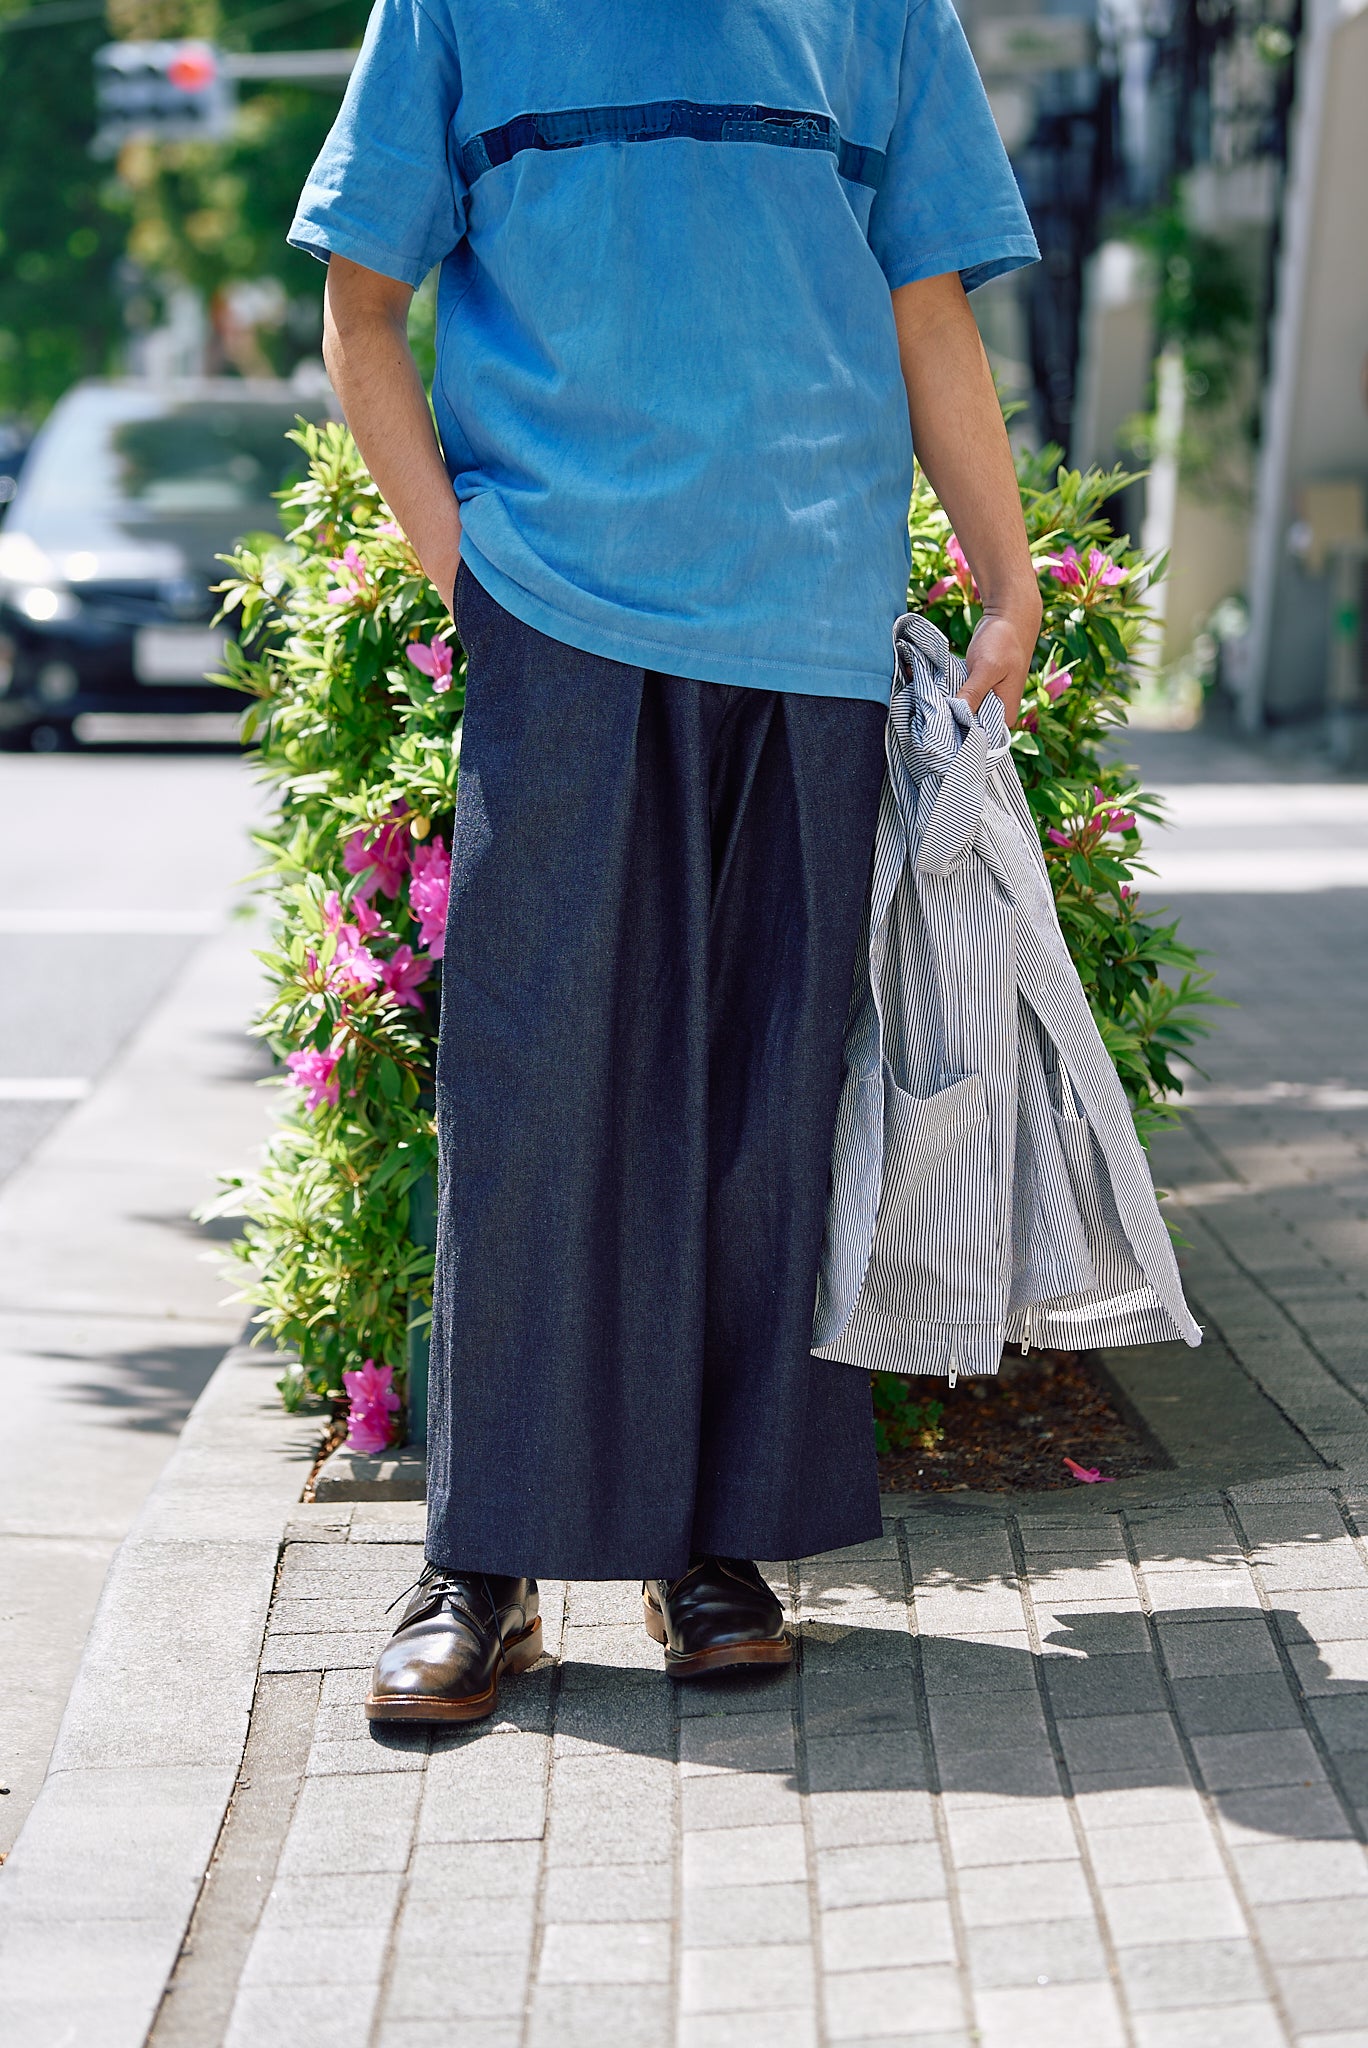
726	1657
519	1653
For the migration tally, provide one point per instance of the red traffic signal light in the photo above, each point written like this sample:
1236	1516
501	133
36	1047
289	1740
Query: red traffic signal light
194	68
161	92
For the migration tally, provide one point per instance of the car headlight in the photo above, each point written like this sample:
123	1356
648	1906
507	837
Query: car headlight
45	604
31	583
22	560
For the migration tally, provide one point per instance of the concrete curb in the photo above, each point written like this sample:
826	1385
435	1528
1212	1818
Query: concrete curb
97	1893
353	1475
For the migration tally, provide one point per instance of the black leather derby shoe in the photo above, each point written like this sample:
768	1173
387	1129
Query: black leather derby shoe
719	1615
458	1634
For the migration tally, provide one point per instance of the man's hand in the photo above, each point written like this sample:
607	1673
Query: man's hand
961	443
999	660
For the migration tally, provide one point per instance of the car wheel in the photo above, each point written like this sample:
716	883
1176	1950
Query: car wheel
52	739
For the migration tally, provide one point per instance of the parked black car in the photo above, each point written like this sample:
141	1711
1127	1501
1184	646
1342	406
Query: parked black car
14	446
108	549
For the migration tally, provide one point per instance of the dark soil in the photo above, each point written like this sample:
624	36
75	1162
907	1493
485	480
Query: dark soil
1016	1431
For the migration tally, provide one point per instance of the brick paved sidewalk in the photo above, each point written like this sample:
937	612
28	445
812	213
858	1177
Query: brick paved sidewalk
1038	1776
1088	1765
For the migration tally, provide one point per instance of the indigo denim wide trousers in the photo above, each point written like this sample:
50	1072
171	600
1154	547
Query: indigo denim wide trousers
657	890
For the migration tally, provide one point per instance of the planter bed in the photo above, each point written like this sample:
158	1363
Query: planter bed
1015	1432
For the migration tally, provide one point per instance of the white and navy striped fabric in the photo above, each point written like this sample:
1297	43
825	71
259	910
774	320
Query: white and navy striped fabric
987	1184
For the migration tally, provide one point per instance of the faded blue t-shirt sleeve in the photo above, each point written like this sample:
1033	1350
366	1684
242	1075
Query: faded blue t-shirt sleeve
947	199
386	190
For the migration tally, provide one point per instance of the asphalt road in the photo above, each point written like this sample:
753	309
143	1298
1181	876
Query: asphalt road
113	868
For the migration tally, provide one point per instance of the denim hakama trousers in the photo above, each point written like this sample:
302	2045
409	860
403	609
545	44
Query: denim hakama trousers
657	890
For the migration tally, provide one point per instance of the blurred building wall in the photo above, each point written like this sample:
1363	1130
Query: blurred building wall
1116	352
1315	425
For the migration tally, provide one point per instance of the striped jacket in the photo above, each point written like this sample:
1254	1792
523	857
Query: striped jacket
986	1182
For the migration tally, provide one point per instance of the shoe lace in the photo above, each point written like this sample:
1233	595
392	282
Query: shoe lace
443	1584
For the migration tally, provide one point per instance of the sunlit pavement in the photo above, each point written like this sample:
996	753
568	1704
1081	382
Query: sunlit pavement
125	1086
1090	1765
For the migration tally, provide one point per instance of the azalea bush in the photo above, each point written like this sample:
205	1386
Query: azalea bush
356	684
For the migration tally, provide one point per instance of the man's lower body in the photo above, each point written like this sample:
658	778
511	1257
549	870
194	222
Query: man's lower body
656	895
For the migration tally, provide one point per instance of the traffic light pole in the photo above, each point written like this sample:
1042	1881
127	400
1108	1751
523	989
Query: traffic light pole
298	67
183	91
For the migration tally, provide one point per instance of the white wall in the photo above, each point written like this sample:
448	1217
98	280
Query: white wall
1315	417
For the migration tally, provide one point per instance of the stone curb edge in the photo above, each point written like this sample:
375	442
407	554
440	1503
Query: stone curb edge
96	1895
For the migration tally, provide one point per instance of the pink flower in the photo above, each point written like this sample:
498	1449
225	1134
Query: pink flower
384	850
1055	681
429	890
1109	819
1101	569
391	529
316	1073
353	964
1087	1475
1030	721
957	555
433	657
350	568
961	577
1057	838
358	912
404	974
374	1404
357	915
1126	892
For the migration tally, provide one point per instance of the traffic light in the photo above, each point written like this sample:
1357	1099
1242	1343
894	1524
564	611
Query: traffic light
160	92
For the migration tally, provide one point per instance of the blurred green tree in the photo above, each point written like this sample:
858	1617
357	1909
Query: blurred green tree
61	241
214	215
89	249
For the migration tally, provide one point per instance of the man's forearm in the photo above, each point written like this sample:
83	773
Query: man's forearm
961	443
365	346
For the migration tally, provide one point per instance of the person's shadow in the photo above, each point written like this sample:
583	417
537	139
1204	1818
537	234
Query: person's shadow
1240	1703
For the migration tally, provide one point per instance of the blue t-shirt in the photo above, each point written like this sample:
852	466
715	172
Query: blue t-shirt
668	387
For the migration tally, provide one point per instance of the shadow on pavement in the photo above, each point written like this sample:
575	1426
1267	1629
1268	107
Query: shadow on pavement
149	1387
868	1716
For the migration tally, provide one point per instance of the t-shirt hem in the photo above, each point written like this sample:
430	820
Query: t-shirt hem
324	242
976	262
636	650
